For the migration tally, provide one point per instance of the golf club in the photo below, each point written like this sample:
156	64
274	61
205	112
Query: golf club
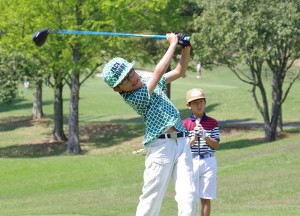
40	37
198	156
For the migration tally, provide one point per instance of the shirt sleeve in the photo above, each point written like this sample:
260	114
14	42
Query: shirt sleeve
163	83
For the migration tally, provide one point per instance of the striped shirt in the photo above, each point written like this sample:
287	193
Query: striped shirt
212	130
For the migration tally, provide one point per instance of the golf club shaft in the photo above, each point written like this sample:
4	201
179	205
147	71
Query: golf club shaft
76	32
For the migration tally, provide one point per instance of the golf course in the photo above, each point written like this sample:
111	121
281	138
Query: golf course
38	177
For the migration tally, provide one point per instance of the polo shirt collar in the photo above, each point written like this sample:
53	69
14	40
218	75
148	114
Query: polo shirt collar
193	118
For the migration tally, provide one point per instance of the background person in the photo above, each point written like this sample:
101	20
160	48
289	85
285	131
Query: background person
199	70
166	141
204	140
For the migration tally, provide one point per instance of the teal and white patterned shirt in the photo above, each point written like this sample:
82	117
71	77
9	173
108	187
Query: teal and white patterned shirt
157	110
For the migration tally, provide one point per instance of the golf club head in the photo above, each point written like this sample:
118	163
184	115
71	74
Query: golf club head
40	37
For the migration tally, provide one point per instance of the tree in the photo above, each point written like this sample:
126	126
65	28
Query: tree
261	34
15	44
86	52
72	59
9	76
73	56
9	64
82	54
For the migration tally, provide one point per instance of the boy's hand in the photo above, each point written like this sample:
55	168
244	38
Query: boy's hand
172	38
200	132
182	42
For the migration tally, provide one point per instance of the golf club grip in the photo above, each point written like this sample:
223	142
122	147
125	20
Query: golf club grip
113	34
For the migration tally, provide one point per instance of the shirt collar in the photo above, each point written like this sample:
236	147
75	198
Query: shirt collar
193	118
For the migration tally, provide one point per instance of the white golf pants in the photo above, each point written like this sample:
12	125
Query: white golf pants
166	159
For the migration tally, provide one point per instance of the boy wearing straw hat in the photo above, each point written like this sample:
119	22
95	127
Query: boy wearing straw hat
204	140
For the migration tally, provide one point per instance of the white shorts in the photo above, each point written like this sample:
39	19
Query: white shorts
205	177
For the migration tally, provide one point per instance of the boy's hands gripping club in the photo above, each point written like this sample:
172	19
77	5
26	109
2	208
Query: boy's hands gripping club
200	131
181	41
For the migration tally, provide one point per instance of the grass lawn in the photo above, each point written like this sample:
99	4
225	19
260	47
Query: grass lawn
254	178
39	178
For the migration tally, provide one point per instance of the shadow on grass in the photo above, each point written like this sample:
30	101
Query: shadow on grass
242	143
99	135
102	135
20	105
33	150
109	134
235	130
9	124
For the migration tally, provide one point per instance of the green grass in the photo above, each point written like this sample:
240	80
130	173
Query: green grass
86	185
258	179
39	178
261	179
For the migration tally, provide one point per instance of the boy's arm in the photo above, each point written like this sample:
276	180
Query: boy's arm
212	142
192	140
163	64
182	66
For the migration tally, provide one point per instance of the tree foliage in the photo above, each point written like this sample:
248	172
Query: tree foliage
260	34
72	59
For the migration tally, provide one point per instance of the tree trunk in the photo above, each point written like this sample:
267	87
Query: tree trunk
264	108
279	129
73	143
276	104
37	109
268	132
58	130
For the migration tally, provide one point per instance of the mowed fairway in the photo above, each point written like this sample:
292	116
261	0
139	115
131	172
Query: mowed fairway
38	178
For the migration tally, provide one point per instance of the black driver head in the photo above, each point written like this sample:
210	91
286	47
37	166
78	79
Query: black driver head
40	37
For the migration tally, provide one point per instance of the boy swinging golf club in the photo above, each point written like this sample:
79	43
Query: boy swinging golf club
166	141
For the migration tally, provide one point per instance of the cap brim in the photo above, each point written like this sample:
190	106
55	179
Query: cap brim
124	74
195	98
